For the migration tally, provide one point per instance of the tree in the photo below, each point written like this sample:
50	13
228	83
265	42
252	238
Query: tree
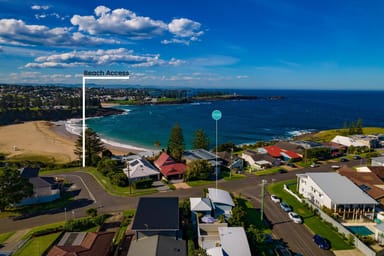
359	126
13	188
92	212
107	165
256	239
198	170
201	140
176	144
93	147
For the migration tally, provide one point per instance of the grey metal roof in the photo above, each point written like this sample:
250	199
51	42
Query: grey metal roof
158	246
234	241
220	196
340	189
200	204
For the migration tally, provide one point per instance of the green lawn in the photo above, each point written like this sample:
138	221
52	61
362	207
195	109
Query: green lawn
37	245
313	222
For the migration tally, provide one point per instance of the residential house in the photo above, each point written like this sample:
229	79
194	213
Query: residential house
202	154
221	201
294	146
169	168
370	141
140	168
278	153
45	189
379	233
348	141
302	144
157	216
234	162
83	244
200	206
336	193
158	246
257	160
366	180
377	161
233	242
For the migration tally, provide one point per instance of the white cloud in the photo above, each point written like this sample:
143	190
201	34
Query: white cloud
185	28
16	32
100	58
40	7
127	23
121	22
38	77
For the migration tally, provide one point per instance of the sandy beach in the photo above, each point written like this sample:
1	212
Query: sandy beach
42	138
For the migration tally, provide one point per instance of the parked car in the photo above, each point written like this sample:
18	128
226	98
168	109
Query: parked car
335	166
275	199
356	157
314	165
295	217
285	207
343	159
291	165
321	242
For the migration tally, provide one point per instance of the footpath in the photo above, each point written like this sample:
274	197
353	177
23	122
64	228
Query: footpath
12	243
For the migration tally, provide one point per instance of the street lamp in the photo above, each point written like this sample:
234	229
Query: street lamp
263	182
216	115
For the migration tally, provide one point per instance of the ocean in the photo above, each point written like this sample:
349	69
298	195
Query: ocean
243	121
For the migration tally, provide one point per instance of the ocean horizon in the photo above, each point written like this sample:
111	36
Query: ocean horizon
243	121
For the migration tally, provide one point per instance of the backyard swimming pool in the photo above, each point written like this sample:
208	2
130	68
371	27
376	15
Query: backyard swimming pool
360	230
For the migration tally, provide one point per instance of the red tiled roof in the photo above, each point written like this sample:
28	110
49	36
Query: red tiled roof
168	166
291	154
273	151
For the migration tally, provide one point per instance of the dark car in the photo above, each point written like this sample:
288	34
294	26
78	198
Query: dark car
291	165
321	242
285	207
343	159
356	157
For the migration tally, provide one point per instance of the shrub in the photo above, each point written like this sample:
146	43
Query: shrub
144	183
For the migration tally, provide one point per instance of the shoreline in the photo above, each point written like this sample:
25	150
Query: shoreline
47	141
67	129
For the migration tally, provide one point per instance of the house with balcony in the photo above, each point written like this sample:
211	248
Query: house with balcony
337	193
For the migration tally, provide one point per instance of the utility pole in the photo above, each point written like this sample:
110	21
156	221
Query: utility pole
263	182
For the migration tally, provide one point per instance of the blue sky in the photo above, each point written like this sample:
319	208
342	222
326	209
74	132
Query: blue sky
258	44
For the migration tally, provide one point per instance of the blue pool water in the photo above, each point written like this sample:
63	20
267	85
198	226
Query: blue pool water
360	230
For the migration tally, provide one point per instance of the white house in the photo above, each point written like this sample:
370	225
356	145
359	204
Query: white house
347	141
233	242
337	193
140	168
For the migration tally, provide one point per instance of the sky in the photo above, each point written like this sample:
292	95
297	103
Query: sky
253	44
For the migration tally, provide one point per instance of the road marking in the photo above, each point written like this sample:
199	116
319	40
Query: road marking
85	185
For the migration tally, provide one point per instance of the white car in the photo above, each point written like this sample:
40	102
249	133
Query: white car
275	199
295	217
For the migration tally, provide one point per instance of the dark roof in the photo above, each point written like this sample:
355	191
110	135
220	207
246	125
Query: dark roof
158	246
29	172
157	213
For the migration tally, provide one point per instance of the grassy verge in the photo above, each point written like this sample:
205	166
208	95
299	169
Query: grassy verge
37	245
272	170
5	236
312	221
43	227
196	183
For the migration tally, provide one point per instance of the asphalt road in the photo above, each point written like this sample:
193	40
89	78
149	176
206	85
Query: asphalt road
297	237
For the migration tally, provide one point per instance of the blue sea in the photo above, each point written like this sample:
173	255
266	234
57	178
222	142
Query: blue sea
244	121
